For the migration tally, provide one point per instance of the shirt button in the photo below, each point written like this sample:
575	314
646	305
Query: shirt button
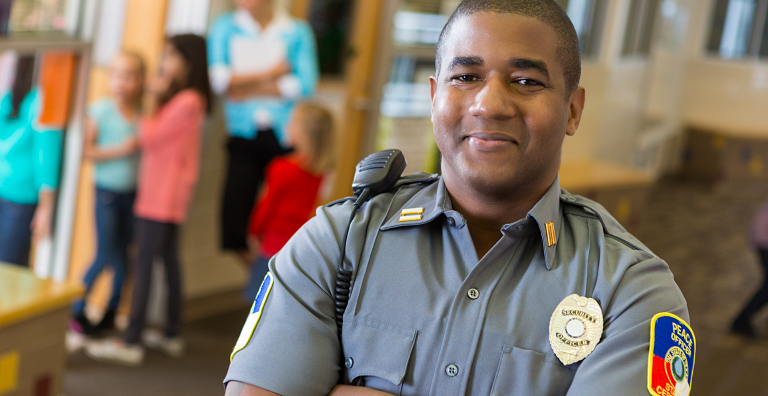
451	221
452	370
473	293
349	362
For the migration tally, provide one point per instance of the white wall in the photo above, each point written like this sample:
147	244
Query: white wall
632	113
724	95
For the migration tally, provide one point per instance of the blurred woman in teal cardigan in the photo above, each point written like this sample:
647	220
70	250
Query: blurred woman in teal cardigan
30	159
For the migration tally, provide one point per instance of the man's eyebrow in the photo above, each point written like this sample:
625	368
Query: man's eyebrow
465	61
525	63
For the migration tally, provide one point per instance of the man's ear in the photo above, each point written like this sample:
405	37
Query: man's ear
575	108
432	90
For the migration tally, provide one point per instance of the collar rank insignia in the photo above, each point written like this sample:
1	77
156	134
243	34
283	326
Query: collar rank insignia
671	356
255	314
575	328
412	214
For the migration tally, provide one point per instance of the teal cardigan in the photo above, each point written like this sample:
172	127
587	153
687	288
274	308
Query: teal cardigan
30	156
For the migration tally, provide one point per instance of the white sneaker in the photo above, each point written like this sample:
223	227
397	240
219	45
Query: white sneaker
115	351
74	341
154	339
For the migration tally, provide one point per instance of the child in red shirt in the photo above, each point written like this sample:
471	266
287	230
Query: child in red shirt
292	185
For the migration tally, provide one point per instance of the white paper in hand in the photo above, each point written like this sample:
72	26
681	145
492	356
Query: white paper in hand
250	56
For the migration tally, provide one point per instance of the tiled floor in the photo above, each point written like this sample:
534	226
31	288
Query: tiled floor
701	233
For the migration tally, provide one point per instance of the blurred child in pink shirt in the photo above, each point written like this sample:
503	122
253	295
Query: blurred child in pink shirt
169	137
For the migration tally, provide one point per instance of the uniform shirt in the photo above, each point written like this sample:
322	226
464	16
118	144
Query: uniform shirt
290	197
119	174
30	155
170	158
410	315
301	54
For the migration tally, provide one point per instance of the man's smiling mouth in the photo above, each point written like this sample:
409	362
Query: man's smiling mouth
489	141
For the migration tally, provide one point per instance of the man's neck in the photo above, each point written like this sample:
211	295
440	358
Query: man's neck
486	213
493	212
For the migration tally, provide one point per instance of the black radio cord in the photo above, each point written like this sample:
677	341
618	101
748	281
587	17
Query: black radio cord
344	276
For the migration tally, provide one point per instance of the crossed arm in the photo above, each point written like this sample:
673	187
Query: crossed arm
235	388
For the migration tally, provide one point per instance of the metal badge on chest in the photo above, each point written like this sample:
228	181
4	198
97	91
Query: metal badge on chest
575	328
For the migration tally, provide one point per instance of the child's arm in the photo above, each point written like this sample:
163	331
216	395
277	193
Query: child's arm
43	218
95	153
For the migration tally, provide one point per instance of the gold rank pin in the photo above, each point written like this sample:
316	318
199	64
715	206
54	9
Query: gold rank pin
551	236
411	214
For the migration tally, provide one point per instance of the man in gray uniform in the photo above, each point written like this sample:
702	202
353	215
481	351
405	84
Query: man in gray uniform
489	279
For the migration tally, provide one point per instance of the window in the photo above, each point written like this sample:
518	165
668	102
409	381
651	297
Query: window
640	25
739	29
587	17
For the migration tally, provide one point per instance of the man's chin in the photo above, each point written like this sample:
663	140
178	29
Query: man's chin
490	182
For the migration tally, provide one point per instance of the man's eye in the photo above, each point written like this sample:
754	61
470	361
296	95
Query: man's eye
464	78
528	82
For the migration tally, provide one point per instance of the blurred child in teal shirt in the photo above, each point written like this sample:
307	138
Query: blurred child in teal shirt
110	143
30	157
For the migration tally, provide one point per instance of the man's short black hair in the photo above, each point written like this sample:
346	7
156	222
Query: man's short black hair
545	11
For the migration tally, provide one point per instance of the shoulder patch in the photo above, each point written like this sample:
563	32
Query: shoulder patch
255	314
671	356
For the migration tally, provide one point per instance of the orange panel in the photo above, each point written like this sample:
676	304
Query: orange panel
57	72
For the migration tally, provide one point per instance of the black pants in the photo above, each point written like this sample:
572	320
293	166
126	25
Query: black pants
247	160
155	239
760	299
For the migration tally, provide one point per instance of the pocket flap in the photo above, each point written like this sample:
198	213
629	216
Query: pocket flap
377	349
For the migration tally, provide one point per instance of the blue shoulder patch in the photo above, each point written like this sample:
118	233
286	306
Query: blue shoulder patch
255	314
671	356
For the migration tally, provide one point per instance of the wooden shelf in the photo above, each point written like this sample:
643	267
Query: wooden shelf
30	42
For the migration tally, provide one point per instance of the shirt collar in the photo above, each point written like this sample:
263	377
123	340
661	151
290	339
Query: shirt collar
544	218
432	199
245	21
547	215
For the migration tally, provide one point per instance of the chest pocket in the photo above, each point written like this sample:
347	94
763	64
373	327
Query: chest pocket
526	372
376	353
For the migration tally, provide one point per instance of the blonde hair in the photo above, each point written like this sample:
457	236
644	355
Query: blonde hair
141	66
141	69
317	123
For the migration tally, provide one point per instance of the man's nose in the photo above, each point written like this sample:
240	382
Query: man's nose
494	100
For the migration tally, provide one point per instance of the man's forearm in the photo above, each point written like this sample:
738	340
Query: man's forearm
235	388
349	390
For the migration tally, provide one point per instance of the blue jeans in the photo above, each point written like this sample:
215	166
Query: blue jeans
114	231
259	269
15	232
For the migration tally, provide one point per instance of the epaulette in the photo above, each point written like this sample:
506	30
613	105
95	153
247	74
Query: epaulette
416	178
611	227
